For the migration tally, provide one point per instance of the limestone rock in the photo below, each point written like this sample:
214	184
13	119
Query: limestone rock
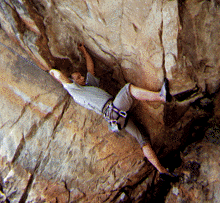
25	27
51	148
142	42
133	41
200	182
14	183
199	39
199	170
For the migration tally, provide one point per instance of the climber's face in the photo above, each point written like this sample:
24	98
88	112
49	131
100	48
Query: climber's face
78	78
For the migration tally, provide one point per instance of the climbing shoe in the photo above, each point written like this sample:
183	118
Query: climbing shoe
169	177
164	92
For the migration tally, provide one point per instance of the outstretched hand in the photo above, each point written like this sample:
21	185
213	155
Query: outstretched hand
59	76
81	47
89	61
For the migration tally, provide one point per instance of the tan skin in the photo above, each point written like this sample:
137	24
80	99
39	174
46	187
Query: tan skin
78	78
137	92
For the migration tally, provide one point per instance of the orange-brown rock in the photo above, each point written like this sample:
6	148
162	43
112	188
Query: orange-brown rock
200	173
141	41
130	41
51	148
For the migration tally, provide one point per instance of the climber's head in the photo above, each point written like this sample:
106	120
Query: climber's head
78	78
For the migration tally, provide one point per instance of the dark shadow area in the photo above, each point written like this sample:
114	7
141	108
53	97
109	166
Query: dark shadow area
194	132
157	193
64	65
186	95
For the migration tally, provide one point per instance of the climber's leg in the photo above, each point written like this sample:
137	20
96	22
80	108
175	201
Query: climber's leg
152	157
144	142
123	99
143	94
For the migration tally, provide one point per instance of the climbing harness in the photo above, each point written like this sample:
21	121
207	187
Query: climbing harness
113	124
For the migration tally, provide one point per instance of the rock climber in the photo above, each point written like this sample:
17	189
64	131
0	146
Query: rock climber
87	93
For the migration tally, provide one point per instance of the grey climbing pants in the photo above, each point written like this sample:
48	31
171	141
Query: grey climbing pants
123	101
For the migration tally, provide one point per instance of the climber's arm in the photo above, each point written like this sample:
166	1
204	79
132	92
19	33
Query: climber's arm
89	61
59	76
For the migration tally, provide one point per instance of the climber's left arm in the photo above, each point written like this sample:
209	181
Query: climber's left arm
89	61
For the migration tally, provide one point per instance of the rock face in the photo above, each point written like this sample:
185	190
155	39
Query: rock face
200	169
199	41
51	148
54	145
142	42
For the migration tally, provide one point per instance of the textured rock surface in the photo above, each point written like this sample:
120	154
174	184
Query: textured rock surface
130	41
51	148
200	169
200	166
200	42
142	41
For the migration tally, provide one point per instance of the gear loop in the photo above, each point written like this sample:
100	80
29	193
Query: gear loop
114	125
